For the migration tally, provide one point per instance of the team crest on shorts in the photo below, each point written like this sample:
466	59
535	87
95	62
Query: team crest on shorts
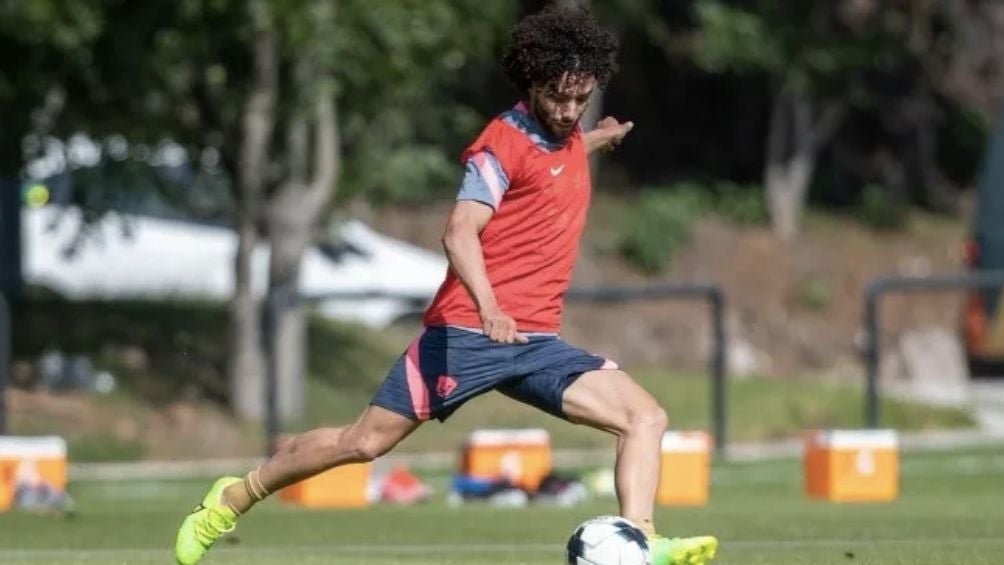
445	385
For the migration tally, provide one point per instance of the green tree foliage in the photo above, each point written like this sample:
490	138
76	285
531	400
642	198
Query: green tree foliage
875	72
40	41
268	97
401	61
810	43
815	58
181	70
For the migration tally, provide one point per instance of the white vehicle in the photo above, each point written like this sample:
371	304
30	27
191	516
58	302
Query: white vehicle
135	256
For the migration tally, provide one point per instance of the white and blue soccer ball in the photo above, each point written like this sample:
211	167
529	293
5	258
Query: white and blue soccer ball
608	540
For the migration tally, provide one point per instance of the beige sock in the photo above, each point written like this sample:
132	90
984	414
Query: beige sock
240	497
647	526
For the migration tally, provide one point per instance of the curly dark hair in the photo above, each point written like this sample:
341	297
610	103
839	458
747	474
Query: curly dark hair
557	40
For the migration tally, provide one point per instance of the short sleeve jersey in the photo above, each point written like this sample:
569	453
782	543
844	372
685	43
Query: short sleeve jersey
540	192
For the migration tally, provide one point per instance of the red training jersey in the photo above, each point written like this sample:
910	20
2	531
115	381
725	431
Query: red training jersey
531	242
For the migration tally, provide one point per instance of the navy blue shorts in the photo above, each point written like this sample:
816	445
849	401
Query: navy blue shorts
445	367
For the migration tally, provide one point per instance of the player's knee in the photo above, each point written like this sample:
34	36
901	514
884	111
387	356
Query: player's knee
650	418
368	446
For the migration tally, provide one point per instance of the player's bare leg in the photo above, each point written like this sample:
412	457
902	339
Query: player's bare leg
375	432
611	400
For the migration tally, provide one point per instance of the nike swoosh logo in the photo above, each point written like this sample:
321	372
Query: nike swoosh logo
555	171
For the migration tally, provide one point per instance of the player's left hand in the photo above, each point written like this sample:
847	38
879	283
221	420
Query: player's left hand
608	134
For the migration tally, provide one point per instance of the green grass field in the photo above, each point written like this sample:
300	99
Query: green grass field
951	511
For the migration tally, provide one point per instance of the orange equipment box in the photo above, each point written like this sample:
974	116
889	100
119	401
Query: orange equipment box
30	462
342	487
852	465
684	479
522	456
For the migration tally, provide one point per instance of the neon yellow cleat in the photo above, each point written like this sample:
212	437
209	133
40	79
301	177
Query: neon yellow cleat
206	524
682	551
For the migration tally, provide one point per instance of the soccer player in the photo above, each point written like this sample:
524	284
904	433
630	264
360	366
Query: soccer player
511	240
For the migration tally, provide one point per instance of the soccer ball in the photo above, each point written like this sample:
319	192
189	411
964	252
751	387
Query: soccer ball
608	540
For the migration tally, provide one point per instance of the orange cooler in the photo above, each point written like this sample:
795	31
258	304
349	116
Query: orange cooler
685	476
342	487
522	456
852	465
32	461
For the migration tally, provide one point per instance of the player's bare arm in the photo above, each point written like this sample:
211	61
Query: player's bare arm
608	134
463	249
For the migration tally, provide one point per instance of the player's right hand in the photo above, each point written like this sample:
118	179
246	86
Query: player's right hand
500	327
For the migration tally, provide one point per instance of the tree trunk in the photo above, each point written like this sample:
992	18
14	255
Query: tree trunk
794	140
288	333
780	179
787	186
292	217
246	367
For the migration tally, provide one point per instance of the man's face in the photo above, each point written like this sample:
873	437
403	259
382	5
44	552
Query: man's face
559	104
